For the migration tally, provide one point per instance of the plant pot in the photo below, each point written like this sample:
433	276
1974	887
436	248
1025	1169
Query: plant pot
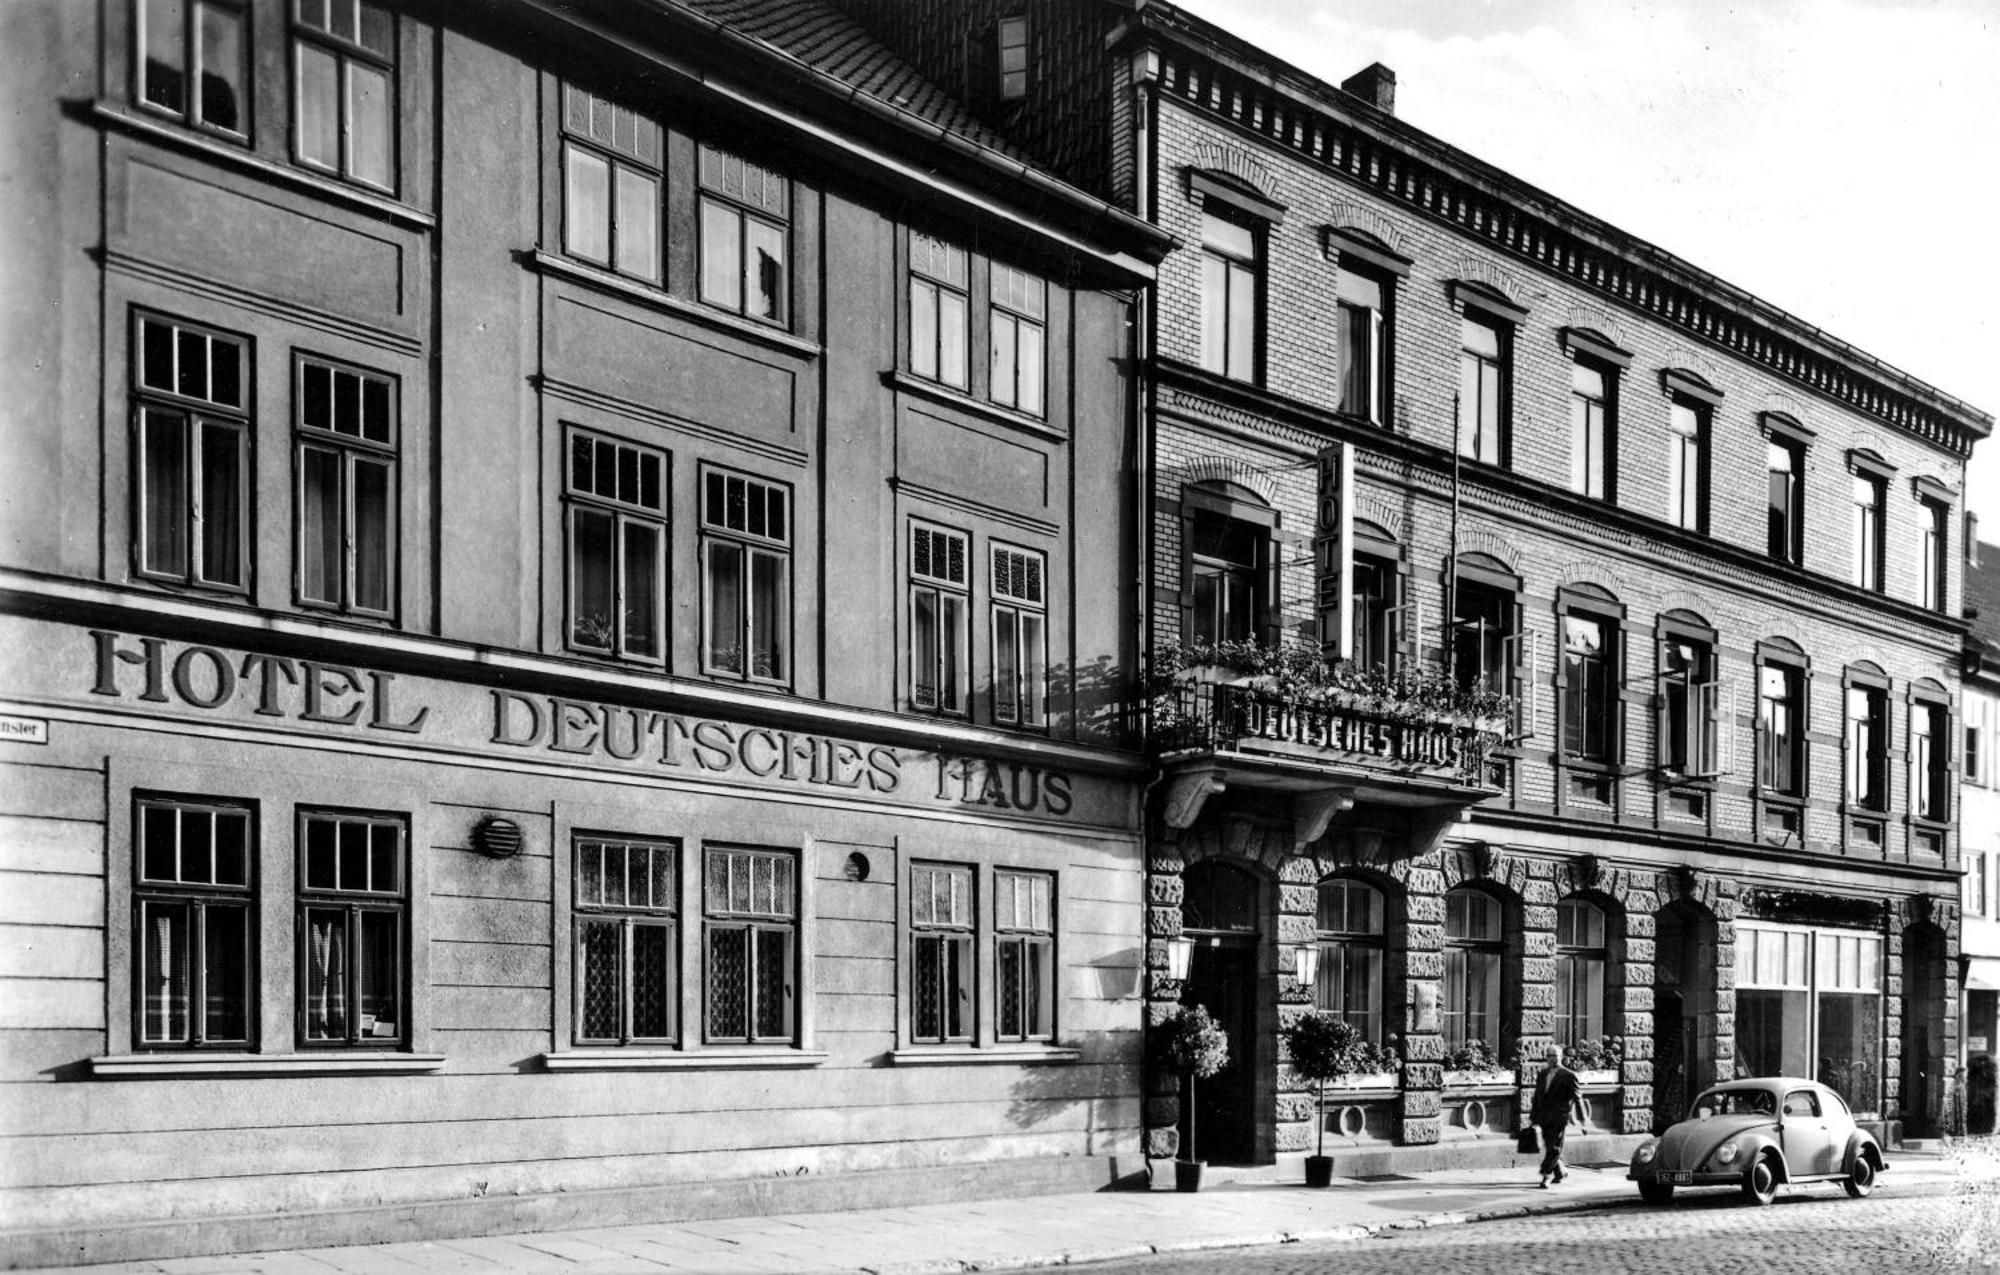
1319	1170
1187	1174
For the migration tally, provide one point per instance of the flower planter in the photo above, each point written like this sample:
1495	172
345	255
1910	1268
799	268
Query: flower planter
1187	1174
1319	1170
1596	1077
1363	1080
1478	1079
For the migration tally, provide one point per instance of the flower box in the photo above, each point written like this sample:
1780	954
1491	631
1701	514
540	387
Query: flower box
1595	1078
1364	1080
1478	1079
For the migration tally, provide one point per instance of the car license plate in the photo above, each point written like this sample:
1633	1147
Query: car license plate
1679	1177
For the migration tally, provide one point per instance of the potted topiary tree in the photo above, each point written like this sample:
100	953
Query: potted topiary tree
1322	1047
1191	1044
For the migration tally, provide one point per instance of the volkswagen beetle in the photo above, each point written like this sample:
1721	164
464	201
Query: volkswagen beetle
1756	1135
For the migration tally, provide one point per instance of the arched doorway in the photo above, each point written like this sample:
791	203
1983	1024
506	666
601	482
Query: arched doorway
1683	1008
1924	1059
1219	911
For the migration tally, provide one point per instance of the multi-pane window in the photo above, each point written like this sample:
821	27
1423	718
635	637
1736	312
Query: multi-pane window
1020	624
1482	390
1580	962
1590	416
1225	562
1024	944
746	564
1932	557
1687	439
1363	355
1351	955
941	959
1473	949
1017	335
1590	688
1930	760
1785	522
627	984
194	61
1867	748
1692	711
1373	608
745	216
1231	279
1011	40
1809	1003
347	440
196	917
939	613
352	914
939	306
611	185
1482	636
1780	730
617	510
750	926
192	487
344	78
1868	531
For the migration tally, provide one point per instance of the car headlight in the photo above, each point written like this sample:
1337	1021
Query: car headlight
1645	1153
1725	1153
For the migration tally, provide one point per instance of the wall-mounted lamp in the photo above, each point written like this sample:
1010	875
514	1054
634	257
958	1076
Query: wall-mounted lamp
1305	963
497	838
1180	951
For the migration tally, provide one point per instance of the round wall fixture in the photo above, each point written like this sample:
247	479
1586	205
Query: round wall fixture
1473	1114
497	838
1353	1122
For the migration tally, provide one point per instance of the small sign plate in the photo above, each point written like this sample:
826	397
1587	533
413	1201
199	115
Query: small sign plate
23	730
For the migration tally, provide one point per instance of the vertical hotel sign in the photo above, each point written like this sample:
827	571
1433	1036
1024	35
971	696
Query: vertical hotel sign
1334	545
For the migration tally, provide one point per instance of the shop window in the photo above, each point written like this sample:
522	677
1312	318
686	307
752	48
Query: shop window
194	62
1581	958
612	179
750	931
1226	562
616	502
1232	283
1809	1003
1352	951
1020	627
941	953
344	89
745	223
1483	388
1930	760
195	909
353	930
939	631
627	949
1363	363
1025	954
1017	334
347	445
940	304
1474	951
746	577
191	394
1785	523
1592	429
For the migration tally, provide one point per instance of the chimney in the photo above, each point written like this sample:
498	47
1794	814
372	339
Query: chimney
1375	85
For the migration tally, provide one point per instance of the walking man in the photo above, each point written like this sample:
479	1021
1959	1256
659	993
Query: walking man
1557	1096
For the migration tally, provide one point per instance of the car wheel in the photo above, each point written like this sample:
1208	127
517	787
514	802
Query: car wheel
1760	1180
1655	1192
1862	1180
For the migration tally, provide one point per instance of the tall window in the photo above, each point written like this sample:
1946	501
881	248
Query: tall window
939	304
941	962
617	505
190	411
1590	688
1011	39
1025	954
1868	494
1590	428
344	81
1482	636
1020	636
1018	337
1933	560
1867	748
194	61
611	185
1692	710
1785	523
1473	948
1781	730
1687	443
1351	953
352	913
939	632
1482	390
1375	584
1231	280
1976	891
750	924
1930	760
746	576
1364	345
197	922
1581	957
745	220
347	439
1225	560
627	983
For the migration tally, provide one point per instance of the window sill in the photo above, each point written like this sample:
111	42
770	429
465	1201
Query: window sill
966	403
655	298
133	121
972	1056
679	1059
328	1063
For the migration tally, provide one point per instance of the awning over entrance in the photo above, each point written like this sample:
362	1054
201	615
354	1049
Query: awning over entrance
1982	973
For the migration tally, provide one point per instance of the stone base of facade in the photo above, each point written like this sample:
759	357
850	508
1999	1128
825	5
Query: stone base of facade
1361	1162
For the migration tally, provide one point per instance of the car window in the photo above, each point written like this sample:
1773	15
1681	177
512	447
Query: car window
1832	1104
1734	1102
1801	1102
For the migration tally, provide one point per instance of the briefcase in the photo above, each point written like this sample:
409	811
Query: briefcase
1529	1142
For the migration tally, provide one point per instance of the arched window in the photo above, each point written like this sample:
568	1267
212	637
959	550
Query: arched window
1580	963
1350	955
1474	943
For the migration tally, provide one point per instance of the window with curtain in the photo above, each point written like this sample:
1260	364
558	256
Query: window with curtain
1020	627
1590	688
1785	523
191	423
1024	941
353	915
1226	561
1687	442
1930	760
1591	418
1867	539
1868	748
1018	336
1482	389
194	62
1781	729
940	569
749	937
344	89
1474	951
347	445
1232	281
1363	352
615	499
611	181
746	565
745	226
940	304
1349	920
626	942
1581	956
942	937
1933	562
195	911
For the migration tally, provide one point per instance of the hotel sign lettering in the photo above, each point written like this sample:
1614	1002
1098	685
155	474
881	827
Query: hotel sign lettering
253	685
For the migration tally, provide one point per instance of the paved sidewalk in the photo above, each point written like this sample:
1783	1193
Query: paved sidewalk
993	1235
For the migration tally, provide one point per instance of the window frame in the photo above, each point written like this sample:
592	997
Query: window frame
345	53
1785	525
1772	804
614	159
354	904
1873	688
623	516
190	113
1717	716
1008	309
1026	936
351	450
628	918
196	416
1333	982
753	923
1606	452
1933	552
713	191
198	899
1868	528
1378	364
1573	956
1930	787
1687	463
1493	950
942	272
954	941
1218	351
751	548
941	588
1024	703
1475	364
